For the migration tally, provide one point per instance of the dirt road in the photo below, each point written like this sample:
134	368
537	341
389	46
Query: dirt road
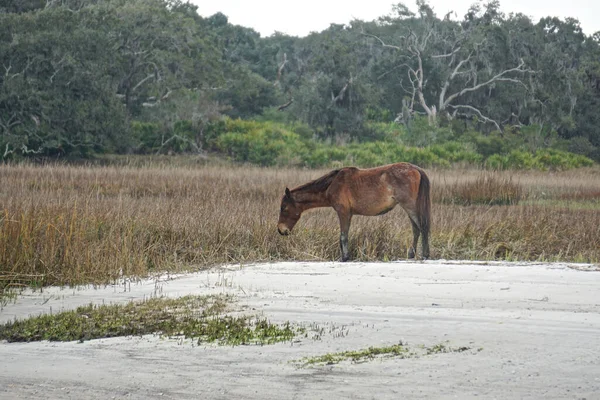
533	330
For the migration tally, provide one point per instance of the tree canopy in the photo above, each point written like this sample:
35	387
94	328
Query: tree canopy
82	77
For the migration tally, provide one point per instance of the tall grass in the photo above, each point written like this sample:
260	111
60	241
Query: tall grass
76	224
487	188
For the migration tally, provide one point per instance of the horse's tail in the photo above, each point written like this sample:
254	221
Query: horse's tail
424	204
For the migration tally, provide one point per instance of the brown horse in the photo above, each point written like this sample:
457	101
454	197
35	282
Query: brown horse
374	191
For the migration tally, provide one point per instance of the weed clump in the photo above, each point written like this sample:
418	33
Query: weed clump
399	351
195	317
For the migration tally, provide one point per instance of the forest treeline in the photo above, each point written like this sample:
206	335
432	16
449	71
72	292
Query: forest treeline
85	77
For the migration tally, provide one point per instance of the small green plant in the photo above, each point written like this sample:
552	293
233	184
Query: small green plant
196	317
357	356
399	350
442	348
6	296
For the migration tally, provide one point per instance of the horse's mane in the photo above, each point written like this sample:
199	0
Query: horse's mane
320	184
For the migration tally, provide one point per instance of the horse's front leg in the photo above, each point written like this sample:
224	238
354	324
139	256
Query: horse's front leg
345	218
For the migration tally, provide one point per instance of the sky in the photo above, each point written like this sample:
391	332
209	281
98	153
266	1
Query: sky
300	17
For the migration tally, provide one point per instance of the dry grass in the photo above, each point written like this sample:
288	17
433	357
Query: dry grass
487	189
75	224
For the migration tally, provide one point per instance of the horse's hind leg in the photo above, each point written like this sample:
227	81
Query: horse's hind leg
425	243
416	232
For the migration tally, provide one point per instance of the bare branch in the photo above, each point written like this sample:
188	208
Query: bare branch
140	83
449	54
340	95
58	68
7	151
286	105
496	78
280	70
453	75
476	111
381	41
183	139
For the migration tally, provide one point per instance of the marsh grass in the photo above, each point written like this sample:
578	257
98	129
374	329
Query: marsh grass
67	225
202	318
487	189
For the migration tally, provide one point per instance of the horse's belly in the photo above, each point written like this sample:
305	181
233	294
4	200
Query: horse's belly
374	208
386	210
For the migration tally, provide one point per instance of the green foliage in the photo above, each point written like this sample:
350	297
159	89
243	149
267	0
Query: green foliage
581	145
421	133
197	317
398	351
147	134
547	159
153	76
261	143
270	143
489	145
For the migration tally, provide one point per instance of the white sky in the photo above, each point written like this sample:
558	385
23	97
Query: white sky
300	17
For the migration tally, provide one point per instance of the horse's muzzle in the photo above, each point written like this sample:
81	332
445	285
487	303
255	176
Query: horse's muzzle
283	230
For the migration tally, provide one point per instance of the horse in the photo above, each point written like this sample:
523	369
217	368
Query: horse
373	191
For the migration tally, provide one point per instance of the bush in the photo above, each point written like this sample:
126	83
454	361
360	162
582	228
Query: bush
547	159
421	134
324	156
561	160
456	152
264	144
147	135
269	143
581	145
489	145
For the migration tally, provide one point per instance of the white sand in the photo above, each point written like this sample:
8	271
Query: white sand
538	326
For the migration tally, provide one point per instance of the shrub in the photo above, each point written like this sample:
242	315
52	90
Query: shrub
323	156
261	143
456	152
422	134
561	160
542	159
581	145
365	157
489	145
147	135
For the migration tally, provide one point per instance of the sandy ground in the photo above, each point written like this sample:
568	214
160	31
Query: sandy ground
537	328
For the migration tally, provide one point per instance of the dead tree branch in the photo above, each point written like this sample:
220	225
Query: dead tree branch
476	111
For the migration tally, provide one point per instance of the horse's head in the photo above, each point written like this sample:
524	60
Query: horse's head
289	213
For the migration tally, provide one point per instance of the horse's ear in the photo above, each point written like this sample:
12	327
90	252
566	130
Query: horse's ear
288	194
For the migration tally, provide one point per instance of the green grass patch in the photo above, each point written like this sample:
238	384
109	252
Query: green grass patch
356	356
442	348
566	204
400	351
201	318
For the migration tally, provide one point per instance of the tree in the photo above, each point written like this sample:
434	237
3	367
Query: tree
53	98
446	65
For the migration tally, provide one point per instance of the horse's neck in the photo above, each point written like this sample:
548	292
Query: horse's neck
311	199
